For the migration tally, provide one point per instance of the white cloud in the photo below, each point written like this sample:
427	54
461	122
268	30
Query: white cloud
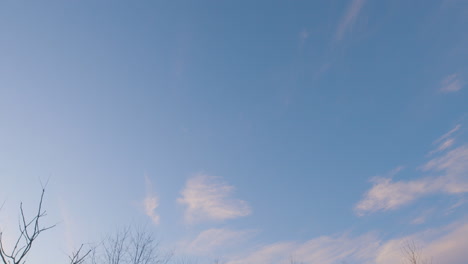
324	250
443	146
209	198
445	141
448	134
454	163
451	83
442	245
270	254
349	18
446	244
423	216
328	250
387	194
215	239
151	202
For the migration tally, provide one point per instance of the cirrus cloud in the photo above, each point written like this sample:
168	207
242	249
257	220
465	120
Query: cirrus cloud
451	83
349	18
208	198
215	239
451	177
151	202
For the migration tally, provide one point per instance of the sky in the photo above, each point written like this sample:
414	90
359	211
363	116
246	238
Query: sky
246	131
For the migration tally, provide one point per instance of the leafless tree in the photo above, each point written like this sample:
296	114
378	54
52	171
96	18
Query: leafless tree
29	230
293	260
412	253
78	257
130	246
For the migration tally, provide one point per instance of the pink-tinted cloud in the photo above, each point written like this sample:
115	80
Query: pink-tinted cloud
208	198
451	83
349	18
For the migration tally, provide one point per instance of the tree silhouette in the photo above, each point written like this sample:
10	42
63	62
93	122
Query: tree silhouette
29	231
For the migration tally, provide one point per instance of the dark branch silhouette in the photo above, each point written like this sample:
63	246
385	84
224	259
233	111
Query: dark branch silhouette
130	246
412	253
29	231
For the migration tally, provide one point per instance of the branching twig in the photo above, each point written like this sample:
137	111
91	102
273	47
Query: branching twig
29	231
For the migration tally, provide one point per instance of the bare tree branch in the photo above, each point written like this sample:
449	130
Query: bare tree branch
412	253
77	257
131	246
29	231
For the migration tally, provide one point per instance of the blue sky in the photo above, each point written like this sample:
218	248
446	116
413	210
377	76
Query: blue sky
250	131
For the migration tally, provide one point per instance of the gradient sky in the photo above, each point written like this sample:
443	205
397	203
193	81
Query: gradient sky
249	131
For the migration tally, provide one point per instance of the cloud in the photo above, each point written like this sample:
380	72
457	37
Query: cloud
423	216
443	146
269	254
442	245
448	134
328	250
349	18
324	250
215	239
387	194
446	244
68	225
304	35
449	175
151	202
451	83
452	162
207	198
445	141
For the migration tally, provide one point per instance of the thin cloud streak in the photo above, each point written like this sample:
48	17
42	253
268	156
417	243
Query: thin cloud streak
324	250
451	83
349	18
443	146
151	202
452	168
448	134
445	141
387	194
215	239
208	198
442	245
445	245
269	254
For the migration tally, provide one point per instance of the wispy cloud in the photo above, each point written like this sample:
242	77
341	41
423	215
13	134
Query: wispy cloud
269	254
443	245
452	168
445	141
68	225
324	250
387	194
213	240
349	18
451	83
151	202
208	198
448	134
443	146
303	36
422	217
446	244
